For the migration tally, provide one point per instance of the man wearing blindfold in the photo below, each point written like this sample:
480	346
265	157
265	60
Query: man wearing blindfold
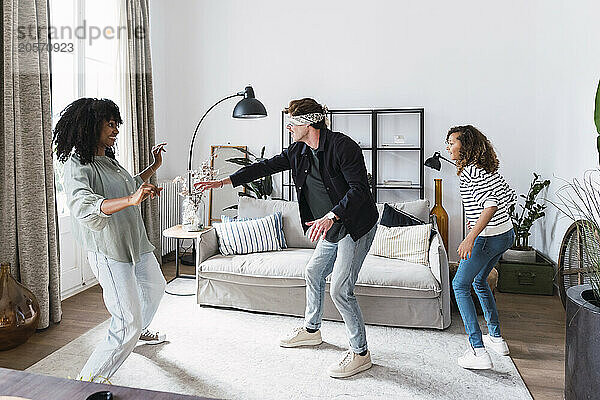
338	210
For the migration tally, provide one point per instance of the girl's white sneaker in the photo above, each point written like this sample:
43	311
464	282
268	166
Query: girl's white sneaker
476	359
498	345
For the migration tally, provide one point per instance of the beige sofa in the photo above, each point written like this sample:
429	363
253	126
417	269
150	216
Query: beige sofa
389	291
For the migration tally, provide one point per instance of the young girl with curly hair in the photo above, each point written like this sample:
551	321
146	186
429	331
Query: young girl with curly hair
104	199
486	197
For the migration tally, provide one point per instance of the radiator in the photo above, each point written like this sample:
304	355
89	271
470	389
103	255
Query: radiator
168	204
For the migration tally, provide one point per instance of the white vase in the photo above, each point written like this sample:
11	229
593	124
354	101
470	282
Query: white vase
192	219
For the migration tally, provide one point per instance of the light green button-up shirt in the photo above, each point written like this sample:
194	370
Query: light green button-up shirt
120	236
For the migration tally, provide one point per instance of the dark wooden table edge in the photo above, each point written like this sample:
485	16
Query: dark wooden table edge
42	387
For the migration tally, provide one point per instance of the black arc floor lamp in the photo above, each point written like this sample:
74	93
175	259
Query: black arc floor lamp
247	108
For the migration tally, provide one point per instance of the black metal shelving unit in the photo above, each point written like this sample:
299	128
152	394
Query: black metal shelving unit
287	186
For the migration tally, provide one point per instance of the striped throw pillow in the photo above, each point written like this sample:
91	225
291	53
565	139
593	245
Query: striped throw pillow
278	225
408	243
244	237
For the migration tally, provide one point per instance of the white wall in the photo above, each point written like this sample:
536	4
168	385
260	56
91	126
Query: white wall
566	78
523	72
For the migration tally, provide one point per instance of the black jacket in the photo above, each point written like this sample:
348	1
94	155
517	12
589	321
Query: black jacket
344	175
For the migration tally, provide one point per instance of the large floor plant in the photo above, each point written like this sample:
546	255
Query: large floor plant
580	201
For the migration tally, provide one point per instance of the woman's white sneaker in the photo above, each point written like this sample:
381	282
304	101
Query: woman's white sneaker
498	345
476	359
301	337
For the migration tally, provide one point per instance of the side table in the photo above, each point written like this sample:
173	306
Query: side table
178	233
492	281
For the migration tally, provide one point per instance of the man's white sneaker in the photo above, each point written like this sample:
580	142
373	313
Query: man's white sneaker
475	359
149	337
301	337
498	345
350	364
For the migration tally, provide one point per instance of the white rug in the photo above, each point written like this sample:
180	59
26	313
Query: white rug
235	355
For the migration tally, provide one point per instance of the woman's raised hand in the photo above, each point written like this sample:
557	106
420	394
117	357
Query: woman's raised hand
156	153
147	189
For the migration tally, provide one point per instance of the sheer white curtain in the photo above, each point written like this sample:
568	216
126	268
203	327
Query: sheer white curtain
122	64
97	66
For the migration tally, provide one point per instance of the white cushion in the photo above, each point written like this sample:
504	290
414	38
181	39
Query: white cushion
292	228
417	208
251	236
408	243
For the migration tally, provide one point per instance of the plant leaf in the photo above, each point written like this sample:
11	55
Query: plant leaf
247	152
597	119
233	207
597	109
598	147
239	161
249	188
268	185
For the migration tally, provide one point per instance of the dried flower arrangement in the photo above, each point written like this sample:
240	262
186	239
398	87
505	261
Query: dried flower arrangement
193	205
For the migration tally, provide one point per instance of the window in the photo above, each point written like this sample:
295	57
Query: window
96	66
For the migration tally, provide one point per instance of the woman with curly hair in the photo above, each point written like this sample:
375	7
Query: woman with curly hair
104	199
486	197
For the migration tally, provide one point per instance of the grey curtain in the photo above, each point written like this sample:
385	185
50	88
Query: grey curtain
28	227
142	107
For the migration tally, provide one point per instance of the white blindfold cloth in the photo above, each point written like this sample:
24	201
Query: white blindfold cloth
307	119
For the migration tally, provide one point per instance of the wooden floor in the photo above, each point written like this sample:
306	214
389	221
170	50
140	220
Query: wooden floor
534	327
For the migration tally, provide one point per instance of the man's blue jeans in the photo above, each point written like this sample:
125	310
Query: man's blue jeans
343	260
486	252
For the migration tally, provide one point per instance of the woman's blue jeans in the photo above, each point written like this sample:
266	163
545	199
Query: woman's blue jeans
486	252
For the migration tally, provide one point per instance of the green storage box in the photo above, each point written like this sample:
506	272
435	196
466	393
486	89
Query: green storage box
518	277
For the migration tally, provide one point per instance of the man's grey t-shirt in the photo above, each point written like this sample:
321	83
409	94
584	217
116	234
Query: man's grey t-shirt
318	199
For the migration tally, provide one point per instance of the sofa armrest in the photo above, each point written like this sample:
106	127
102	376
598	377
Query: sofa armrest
207	245
438	263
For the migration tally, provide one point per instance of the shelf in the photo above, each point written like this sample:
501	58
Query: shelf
417	187
372	129
367	111
399	148
378	186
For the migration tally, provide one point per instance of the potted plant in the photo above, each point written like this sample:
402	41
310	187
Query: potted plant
531	211
259	189
580	201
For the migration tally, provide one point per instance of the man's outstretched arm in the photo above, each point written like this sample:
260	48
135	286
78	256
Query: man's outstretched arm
250	173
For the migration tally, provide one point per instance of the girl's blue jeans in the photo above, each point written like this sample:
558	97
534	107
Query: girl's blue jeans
486	252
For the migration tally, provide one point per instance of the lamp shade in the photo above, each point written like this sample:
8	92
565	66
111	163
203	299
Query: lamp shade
434	162
249	106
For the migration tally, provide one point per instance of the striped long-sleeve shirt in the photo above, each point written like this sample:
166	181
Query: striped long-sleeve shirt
480	189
